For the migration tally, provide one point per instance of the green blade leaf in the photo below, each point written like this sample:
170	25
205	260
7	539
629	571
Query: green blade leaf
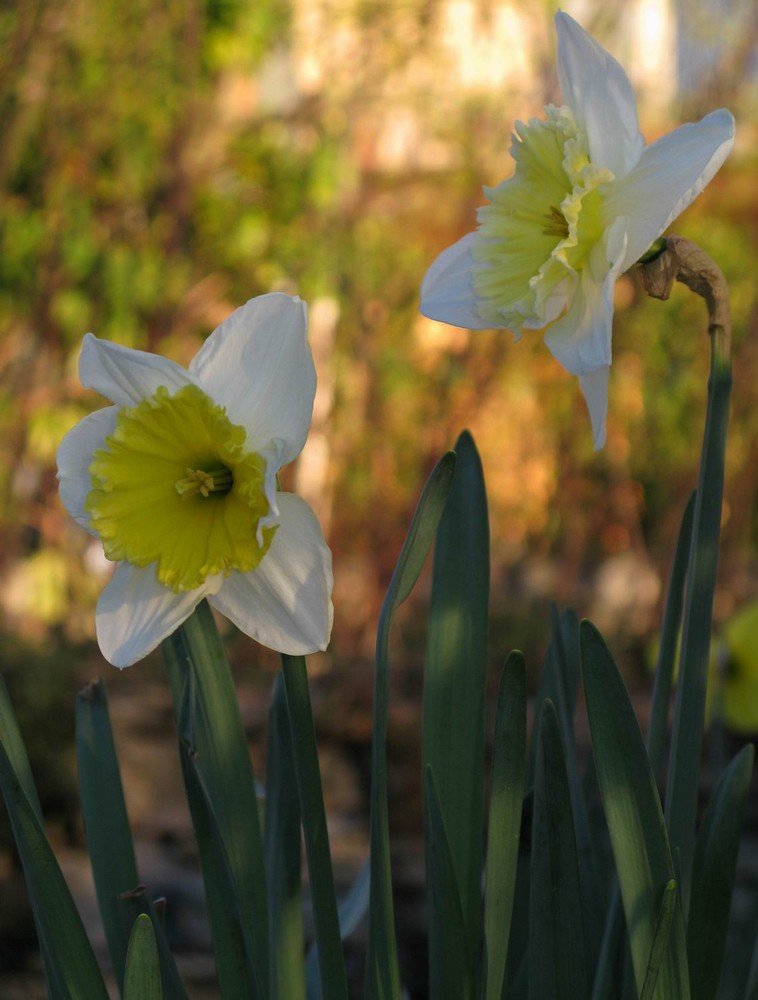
452	977
10	737
70	965
352	910
14	747
133	905
713	875
382	974
565	668
315	833
506	798
455	682
609	959
633	811
556	940
660	941
558	681
106	824
196	664
143	976
282	848
238	978
672	618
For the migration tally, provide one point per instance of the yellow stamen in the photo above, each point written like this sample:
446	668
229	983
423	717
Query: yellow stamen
196	481
556	223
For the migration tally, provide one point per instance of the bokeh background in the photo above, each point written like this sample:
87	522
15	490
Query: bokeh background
160	163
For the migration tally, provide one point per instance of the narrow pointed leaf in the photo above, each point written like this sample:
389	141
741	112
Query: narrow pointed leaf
195	660
565	628
315	832
106	823
556	940
136	904
566	669
238	978
558	681
672	619
506	798
70	964
660	941
609	959
143	976
634	816
516	980
451	975
713	875
16	751
382	974
455	682
10	737
352	910
283	848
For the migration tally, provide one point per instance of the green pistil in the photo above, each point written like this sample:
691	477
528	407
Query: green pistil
218	480
556	223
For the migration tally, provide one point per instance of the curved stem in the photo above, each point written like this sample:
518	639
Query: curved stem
685	262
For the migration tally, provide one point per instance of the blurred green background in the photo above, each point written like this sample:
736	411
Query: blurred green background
160	163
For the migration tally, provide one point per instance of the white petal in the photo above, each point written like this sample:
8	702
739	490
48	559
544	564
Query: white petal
581	340
75	457
447	291
135	612
272	454
126	376
670	175
598	91
285	603
258	364
595	388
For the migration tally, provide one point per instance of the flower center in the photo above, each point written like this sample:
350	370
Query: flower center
556	223
219	480
540	226
174	485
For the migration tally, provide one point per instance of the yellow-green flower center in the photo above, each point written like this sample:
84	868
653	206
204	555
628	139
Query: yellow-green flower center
196	481
540	226
175	486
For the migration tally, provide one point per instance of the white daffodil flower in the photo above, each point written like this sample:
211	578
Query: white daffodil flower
587	199
178	480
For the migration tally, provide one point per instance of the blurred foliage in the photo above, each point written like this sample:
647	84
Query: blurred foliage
160	164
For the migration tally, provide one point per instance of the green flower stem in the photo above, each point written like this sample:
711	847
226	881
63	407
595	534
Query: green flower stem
221	794
687	263
328	938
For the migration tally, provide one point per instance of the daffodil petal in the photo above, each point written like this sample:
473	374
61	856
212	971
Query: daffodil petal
447	292
75	457
135	612
598	91
594	385
272	455
285	602
671	173
581	340
259	366
126	376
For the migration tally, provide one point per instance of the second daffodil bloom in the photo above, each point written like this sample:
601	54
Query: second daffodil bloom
178	480
587	199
